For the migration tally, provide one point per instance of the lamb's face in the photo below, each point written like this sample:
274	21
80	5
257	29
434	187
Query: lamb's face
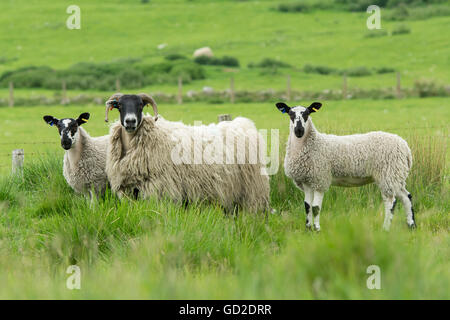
299	116
67	129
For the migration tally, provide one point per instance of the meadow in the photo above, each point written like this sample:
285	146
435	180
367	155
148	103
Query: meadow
155	249
330	38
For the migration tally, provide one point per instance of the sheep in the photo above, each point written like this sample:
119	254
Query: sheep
315	161
85	156
143	159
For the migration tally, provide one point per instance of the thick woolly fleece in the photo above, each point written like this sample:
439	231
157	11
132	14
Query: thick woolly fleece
320	160
87	171
146	164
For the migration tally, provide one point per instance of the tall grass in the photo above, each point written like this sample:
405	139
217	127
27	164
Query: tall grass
155	249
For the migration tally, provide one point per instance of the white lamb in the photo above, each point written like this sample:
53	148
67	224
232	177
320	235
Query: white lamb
85	157
315	161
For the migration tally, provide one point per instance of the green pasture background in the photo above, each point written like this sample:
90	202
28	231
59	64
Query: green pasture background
154	249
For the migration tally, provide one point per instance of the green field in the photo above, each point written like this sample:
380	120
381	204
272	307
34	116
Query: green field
247	30
151	249
155	249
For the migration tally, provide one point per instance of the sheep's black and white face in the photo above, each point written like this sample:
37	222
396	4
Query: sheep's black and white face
299	116
67	128
130	107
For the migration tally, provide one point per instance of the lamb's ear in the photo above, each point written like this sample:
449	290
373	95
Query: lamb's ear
50	120
283	107
83	118
315	106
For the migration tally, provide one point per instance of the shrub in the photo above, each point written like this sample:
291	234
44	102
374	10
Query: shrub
382	70
401	29
174	56
403	12
361	5
356	72
224	61
293	7
230	61
269	63
103	76
188	71
305	6
319	69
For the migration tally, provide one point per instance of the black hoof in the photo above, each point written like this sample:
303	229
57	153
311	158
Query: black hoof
412	226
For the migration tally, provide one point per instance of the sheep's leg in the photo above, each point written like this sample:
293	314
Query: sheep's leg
317	205
406	199
90	198
309	195
389	205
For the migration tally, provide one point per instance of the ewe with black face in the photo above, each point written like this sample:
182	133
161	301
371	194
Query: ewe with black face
142	158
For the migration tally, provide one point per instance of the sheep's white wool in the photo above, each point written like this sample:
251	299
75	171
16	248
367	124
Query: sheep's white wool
84	164
147	165
321	160
315	161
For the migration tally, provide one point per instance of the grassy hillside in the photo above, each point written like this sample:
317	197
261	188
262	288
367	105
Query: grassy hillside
156	249
247	30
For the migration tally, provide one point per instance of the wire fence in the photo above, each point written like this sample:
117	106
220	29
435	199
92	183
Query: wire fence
4	156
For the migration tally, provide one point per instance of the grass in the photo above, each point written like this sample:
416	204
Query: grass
155	249
129	29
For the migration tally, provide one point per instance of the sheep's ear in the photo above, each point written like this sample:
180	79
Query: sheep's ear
314	107
50	120
283	107
83	118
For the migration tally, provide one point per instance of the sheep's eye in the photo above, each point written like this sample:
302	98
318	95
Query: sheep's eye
292	115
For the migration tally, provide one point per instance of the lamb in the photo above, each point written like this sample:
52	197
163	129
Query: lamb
144	158
85	156
315	161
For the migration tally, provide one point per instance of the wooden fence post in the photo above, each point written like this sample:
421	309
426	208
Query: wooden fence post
344	87
288	92
11	94
399	85
224	117
17	161
180	91
64	93
232	97
117	85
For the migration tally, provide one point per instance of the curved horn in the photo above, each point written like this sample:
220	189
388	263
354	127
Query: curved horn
110	104
148	99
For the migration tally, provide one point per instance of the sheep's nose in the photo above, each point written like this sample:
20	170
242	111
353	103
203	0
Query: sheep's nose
299	132
66	145
130	122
